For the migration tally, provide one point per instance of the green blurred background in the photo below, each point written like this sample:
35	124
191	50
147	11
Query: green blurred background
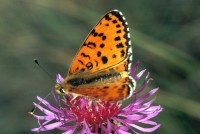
165	36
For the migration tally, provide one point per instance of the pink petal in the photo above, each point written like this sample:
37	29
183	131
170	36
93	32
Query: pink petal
124	128
149	122
69	128
144	97
69	132
59	79
135	117
144	85
134	68
145	129
108	126
44	117
85	129
152	110
149	103
122	132
47	112
139	74
48	127
47	104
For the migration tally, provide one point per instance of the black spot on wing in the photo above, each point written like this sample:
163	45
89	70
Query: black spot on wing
81	62
101	34
118	25
95	34
104	37
107	17
122	52
102	45
104	59
119	31
85	55
114	21
120	45
93	31
98	53
117	38
96	63
89	65
114	56
91	45
107	24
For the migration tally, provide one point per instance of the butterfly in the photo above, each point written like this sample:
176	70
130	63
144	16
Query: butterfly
101	67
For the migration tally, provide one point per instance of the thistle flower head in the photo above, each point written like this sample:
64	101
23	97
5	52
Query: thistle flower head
82	115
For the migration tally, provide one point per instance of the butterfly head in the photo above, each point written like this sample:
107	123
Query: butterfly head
59	89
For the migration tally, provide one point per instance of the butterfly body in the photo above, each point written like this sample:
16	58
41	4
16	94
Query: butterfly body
101	67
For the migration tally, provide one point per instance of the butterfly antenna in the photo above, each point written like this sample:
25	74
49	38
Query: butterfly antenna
35	107
36	61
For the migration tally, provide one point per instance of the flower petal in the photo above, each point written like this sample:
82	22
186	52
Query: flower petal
139	74
43	101
85	129
144	97
145	129
44	117
48	127
108	126
69	132
134	68
144	85
135	117
149	122
119	131
47	112
59	79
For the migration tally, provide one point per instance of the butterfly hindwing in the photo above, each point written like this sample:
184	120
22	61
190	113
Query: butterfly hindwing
110	92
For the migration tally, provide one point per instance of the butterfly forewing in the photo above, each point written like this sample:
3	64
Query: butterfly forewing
107	45
100	68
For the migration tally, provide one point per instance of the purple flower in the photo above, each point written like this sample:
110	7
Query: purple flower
82	115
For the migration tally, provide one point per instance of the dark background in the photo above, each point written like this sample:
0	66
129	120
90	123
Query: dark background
165	36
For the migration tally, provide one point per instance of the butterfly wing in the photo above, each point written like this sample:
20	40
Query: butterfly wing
107	45
105	55
109	92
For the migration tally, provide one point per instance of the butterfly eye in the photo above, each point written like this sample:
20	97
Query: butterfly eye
62	90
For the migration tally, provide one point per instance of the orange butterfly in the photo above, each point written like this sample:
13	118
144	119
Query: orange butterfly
101	67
